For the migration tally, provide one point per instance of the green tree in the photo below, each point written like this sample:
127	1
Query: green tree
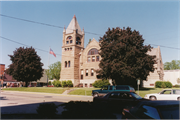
54	71
174	64
124	57
26	65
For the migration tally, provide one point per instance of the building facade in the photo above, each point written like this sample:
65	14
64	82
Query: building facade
78	64
172	76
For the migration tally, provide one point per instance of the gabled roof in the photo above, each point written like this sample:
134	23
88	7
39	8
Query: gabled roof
73	25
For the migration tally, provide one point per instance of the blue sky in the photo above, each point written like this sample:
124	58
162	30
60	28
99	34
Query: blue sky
157	21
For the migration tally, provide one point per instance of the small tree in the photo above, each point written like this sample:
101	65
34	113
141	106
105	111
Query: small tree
54	71
26	65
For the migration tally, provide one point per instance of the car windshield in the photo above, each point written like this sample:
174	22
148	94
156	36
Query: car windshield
136	96
170	112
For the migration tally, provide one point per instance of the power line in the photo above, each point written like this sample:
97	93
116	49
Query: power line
33	47
165	46
43	23
61	28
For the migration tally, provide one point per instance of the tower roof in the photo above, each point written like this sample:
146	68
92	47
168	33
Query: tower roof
73	25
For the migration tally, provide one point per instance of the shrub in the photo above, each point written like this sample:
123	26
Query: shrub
168	84
47	110
49	83
177	86
158	84
161	84
56	83
69	83
100	83
64	84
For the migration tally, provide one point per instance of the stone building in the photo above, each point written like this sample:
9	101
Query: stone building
79	63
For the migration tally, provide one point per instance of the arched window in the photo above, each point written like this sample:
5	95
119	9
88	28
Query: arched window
69	40
65	63
78	41
93	51
69	63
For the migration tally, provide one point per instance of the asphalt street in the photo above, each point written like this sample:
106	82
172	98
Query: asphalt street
15	102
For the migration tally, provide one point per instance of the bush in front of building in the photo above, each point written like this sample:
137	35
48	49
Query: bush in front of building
163	84
49	83
177	86
56	83
63	83
100	83
69	83
47	110
168	84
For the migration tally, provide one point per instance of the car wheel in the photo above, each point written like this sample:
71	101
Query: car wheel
153	98
96	95
178	98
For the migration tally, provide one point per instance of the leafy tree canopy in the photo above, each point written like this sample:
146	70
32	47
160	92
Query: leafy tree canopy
54	71
124	58
26	65
173	65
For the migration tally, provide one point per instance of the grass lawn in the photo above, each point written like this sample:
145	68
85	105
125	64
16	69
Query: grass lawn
79	91
82	91
58	90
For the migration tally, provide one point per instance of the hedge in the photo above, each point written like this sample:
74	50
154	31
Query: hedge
163	84
100	83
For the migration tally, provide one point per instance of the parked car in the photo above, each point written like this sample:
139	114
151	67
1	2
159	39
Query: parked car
119	99
50	85
159	109
167	94
110	88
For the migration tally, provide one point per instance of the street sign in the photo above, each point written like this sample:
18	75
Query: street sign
138	82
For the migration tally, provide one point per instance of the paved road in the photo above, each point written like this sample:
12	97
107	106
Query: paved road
14	102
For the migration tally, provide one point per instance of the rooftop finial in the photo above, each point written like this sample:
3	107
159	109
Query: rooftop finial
64	29
74	16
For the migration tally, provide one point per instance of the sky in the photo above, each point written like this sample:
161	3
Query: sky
157	21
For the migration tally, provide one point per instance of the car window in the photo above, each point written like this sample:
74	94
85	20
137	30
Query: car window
122	88
147	112
176	91
110	88
105	88
169	112
114	95
136	96
126	96
166	92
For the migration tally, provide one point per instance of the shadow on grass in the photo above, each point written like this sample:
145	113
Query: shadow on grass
86	110
28	111
145	89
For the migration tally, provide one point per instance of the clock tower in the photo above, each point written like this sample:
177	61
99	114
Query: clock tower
73	43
